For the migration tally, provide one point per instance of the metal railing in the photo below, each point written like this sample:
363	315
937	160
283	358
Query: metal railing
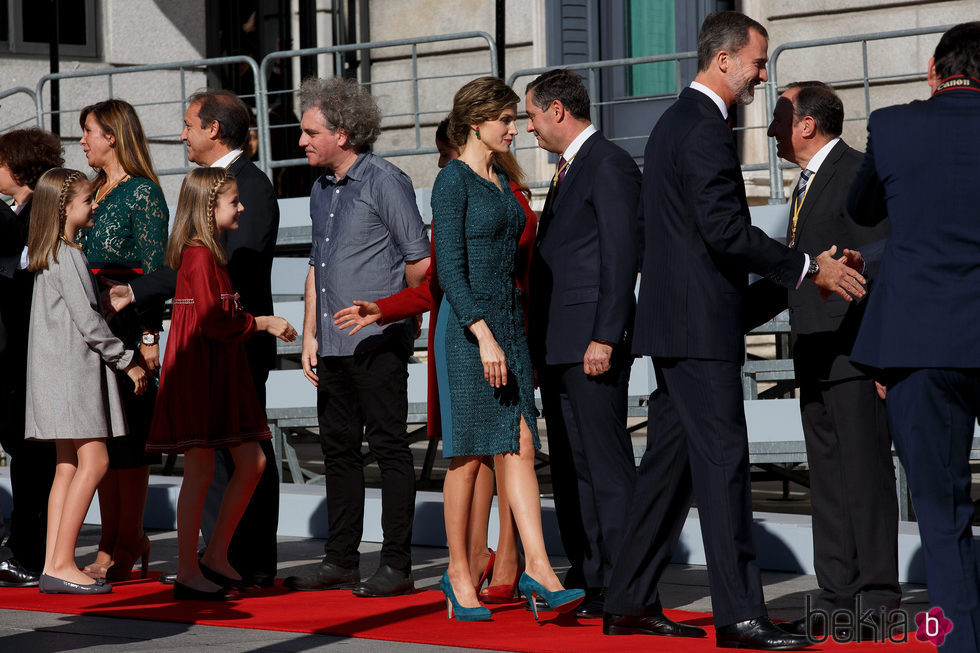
20	90
421	108
866	80
414	116
183	68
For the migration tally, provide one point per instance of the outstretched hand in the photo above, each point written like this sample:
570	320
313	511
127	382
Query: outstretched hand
115	297
358	316
277	326
837	277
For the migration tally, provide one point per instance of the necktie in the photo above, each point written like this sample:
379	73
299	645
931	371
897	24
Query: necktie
560	173
556	180
799	193
801	184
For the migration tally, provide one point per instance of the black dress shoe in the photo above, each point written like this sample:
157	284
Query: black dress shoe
759	633
13	574
168	578
592	607
327	576
386	581
816	629
654	624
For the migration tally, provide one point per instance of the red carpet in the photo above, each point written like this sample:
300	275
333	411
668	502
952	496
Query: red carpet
419	618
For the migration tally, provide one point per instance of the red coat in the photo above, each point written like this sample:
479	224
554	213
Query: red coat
206	396
427	296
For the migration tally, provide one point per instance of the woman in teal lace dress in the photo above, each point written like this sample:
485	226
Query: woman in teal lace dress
486	383
130	231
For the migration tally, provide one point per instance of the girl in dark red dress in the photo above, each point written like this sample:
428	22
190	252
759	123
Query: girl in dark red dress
206	398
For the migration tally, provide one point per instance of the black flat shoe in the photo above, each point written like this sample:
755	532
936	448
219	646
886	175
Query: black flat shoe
327	576
759	633
14	574
184	593
386	581
655	624
51	585
226	582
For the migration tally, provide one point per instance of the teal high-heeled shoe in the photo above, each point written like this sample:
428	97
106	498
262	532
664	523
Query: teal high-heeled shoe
452	605
559	600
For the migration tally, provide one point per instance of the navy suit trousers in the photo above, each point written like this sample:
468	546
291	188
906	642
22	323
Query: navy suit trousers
696	441
932	413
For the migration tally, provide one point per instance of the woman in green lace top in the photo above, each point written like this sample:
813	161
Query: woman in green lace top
130	231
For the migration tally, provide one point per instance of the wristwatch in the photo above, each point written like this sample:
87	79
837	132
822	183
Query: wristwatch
149	338
810	271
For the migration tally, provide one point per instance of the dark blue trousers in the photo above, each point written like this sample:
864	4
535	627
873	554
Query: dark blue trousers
932	413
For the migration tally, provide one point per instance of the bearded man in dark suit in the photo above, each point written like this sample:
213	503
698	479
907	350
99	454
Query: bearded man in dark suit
699	248
852	476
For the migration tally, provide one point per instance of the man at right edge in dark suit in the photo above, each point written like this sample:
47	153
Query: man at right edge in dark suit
699	247
920	330
848	449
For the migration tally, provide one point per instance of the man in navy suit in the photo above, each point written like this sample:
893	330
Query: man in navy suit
582	279
699	247
920	329
848	449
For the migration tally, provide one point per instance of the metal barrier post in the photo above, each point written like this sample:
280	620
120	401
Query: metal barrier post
16	91
180	66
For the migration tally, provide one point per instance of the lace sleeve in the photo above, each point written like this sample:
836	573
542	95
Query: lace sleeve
149	219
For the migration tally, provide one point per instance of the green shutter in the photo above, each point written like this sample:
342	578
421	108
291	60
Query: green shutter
652	31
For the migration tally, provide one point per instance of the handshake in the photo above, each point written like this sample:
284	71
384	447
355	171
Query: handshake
840	276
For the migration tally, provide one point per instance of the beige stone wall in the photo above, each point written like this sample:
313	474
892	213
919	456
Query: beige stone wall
396	19
129	32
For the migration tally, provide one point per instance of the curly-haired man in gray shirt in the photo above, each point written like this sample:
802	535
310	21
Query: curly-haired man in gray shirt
368	243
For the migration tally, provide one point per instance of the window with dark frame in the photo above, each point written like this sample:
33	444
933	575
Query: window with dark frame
26	25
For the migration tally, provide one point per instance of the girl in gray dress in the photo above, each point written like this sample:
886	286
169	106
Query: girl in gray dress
72	394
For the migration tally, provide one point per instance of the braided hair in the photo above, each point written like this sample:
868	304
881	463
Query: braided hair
195	216
54	192
65	197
